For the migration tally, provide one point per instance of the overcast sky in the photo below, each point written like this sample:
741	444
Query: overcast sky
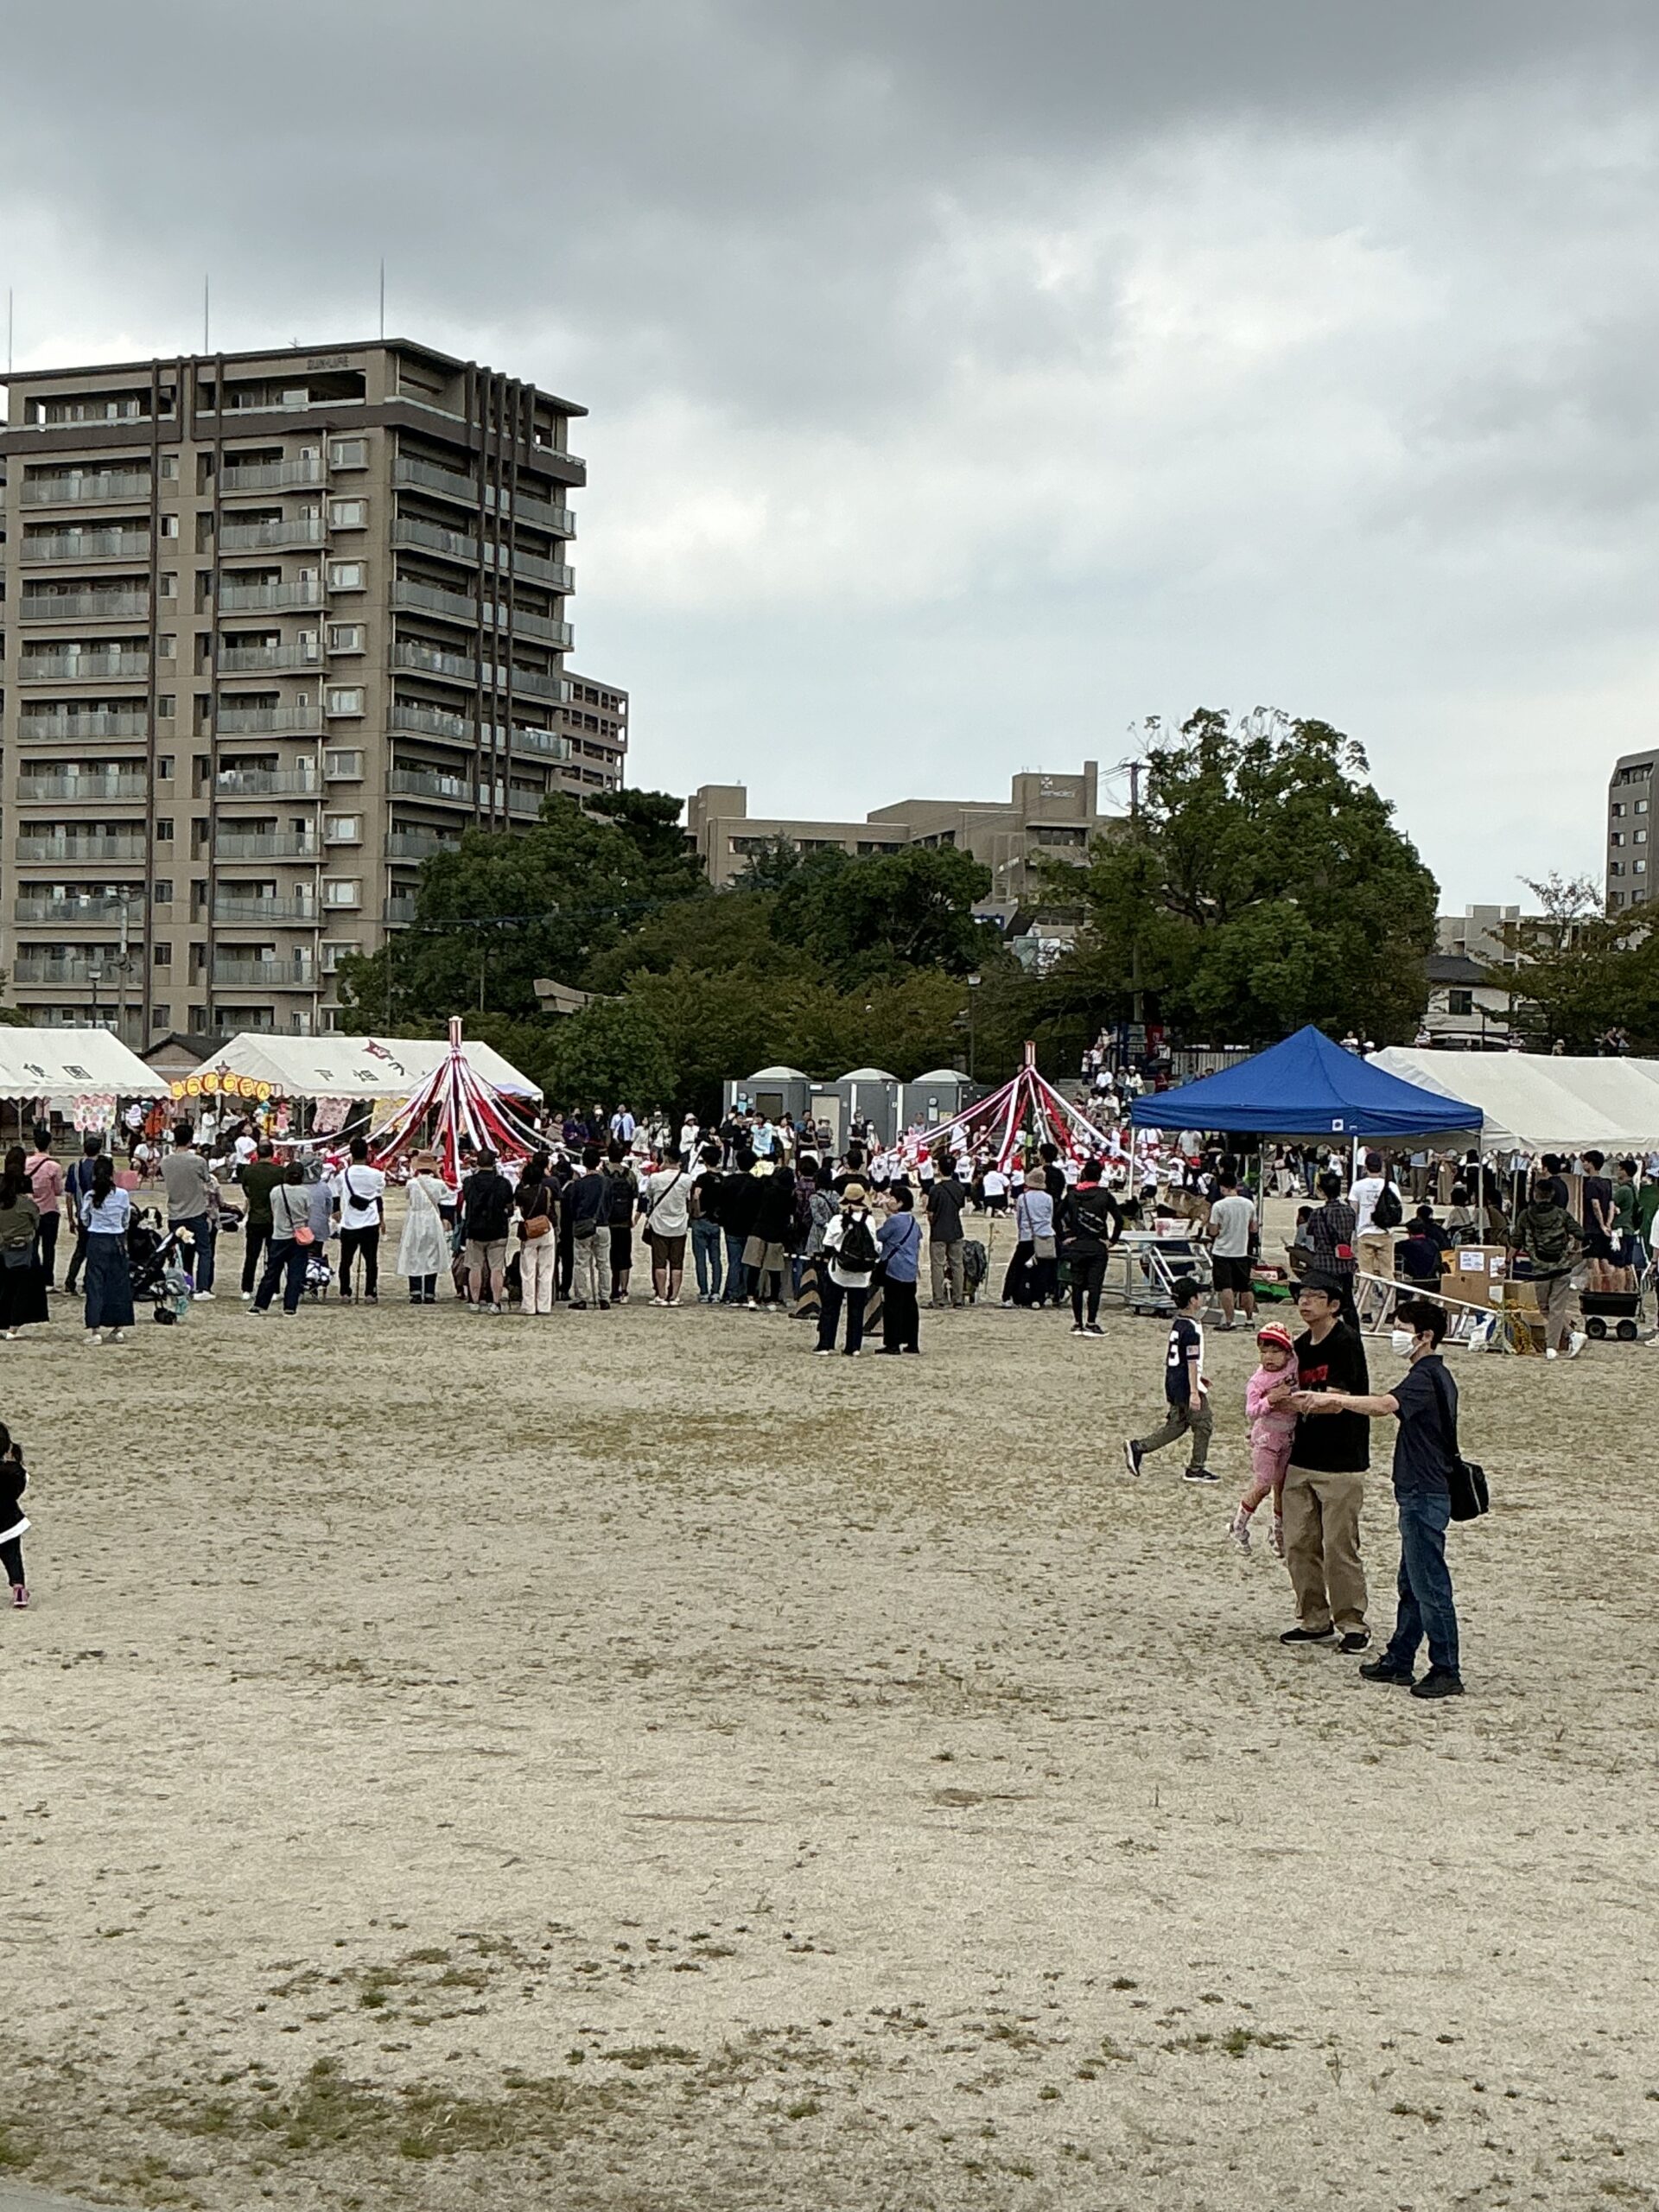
969	380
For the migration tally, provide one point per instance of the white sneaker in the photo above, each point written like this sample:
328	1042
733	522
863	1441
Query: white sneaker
93	1340
117	1336
247	1297
1576	1342
202	1297
1552	1353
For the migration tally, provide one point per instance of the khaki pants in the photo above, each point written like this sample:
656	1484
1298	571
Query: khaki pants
1374	1251
538	1263
1558	1303
945	1261
1196	1422
591	1276
1322	1548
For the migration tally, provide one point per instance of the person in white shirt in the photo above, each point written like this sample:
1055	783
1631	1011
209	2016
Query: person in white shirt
665	1208
359	1194
1374	1247
1232	1229
994	1183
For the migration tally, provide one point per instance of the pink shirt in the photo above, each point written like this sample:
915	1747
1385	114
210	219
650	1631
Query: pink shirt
45	1180
1265	1420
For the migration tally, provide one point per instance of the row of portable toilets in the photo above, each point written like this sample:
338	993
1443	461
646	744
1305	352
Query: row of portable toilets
932	1101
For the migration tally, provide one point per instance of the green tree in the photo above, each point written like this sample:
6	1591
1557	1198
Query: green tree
1578	974
1262	885
771	867
867	917
612	1049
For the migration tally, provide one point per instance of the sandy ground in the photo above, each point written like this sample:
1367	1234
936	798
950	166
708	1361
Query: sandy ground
620	1762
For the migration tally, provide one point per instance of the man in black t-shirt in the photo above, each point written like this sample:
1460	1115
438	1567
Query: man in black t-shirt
1324	1482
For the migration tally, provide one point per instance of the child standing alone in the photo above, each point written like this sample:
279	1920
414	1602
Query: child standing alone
1272	1427
14	1522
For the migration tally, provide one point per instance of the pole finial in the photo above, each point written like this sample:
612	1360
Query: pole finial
1031	1054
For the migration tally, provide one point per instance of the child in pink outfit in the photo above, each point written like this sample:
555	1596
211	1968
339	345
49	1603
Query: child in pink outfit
1272	1428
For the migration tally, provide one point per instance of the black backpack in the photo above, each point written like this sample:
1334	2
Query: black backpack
1388	1212
856	1251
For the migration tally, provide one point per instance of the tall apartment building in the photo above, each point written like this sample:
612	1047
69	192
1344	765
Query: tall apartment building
277	626
1043	818
1629	818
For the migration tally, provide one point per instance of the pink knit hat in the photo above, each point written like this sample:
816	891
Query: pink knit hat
1275	1333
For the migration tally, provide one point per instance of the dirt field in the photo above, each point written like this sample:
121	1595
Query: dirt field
620	1762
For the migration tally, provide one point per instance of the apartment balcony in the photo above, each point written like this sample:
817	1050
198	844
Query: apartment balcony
432	722
80	846
451	484
125	788
97	907
250	722
402	906
427	598
268	783
85	545
83	606
454	544
526	625
268	599
270	475
270	537
531	566
420	783
418	844
92	966
527	804
105	722
250	660
267	845
297	972
235	912
84	489
545	744
456	668
62	667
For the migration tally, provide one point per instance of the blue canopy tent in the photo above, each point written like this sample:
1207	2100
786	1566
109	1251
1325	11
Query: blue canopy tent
1305	1087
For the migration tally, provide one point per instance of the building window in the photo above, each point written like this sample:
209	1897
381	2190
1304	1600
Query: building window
169	525
348	514
344	698
1640	806
167	647
164	955
342	891
1615	837
346	636
1616	900
1638	867
1639	837
343	767
1460	1002
169	583
161	1017
1617	808
163	833
346	575
348	452
169	466
1615	868
342	829
162	890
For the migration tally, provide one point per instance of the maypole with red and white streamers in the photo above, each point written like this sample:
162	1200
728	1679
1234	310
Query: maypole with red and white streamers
1029	1109
464	1108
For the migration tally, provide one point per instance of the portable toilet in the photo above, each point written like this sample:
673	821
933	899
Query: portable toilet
933	1100
773	1092
872	1095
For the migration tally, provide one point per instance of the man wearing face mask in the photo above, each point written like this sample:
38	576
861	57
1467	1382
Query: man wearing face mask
1425	1403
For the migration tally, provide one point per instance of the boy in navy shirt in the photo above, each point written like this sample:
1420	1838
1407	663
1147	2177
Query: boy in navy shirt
1185	1390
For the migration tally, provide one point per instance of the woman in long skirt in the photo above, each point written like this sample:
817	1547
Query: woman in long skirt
424	1253
23	1280
107	1215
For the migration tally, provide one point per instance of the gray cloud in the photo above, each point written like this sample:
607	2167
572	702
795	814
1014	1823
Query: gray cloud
967	381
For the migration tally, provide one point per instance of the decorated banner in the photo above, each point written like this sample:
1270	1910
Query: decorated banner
209	1083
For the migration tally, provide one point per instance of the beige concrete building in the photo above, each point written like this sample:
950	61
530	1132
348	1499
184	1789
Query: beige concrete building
1043	818
1630	818
277	626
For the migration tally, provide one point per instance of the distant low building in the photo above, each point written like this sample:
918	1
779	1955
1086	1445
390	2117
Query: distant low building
1463	1008
1043	818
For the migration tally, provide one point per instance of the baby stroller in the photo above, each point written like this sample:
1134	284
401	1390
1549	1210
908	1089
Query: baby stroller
976	1266
158	1274
318	1272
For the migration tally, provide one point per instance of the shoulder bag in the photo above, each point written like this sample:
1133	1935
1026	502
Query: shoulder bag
1465	1481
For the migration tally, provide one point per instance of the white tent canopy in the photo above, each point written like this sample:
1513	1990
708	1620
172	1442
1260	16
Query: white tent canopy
356	1067
64	1063
1535	1103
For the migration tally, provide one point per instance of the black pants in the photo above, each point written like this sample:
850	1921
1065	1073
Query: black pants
257	1236
1087	1274
367	1242
422	1290
77	1262
49	1246
830	1317
11	1559
1013	1282
285	1261
899	1321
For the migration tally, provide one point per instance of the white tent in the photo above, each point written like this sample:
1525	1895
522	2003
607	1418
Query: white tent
1536	1103
356	1067
61	1065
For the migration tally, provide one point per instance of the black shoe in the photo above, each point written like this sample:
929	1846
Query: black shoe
1307	1636
578	1306
1356	1641
1439	1682
1200	1475
606	1304
1134	1454
1093	1329
1384	1670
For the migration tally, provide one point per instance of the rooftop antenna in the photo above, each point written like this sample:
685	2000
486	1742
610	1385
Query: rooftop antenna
383	295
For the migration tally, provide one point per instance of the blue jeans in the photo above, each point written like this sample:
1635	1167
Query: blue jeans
1425	1586
705	1252
285	1259
202	1234
737	1276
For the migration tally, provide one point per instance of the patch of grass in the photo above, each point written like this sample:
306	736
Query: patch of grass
15	2153
803	2108
1237	2041
637	2057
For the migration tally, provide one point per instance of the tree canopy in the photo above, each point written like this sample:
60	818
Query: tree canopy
1581	976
